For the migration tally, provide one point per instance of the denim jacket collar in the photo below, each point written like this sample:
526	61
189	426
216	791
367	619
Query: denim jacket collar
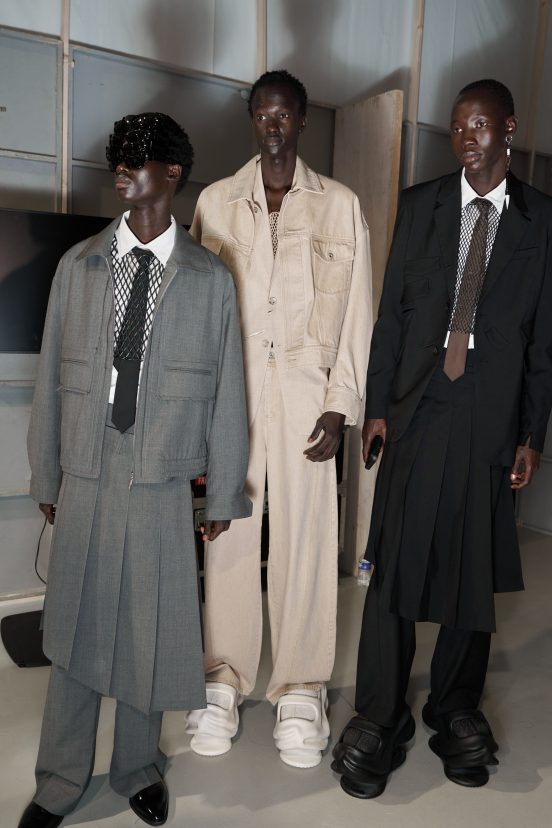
243	183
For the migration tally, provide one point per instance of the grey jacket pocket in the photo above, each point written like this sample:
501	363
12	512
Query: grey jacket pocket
188	381
75	375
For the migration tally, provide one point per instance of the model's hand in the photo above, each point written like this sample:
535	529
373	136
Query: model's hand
332	424
370	429
49	510
212	529
525	465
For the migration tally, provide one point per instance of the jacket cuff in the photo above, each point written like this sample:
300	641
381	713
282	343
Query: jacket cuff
219	507
529	438
345	402
45	490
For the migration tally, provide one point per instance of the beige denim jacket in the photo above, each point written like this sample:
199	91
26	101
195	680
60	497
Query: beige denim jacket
310	305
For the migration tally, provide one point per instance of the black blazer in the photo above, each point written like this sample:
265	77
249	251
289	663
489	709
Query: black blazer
513	326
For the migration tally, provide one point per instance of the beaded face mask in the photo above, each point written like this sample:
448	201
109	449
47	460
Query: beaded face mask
137	139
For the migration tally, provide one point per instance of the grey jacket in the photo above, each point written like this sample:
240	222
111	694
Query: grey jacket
191	411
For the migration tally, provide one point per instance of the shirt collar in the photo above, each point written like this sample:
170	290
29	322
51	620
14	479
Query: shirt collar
497	197
161	246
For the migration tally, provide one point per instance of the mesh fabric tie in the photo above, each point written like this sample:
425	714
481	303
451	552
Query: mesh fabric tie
128	349
468	294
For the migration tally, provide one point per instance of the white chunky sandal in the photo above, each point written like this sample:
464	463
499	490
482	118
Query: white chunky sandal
302	729
214	726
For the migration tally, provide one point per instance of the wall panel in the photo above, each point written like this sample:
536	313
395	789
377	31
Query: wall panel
33	15
216	36
27	185
21	523
213	113
28	69
465	40
15	411
342	51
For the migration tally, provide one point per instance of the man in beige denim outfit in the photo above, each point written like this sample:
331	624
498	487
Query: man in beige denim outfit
298	247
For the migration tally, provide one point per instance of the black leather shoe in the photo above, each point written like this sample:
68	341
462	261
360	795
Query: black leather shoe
465	743
151	804
36	817
367	753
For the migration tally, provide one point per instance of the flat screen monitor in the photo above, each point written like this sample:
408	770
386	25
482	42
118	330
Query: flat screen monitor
31	245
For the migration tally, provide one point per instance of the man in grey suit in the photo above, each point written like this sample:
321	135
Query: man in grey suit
139	389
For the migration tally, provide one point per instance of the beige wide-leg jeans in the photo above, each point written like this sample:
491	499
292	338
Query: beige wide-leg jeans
302	564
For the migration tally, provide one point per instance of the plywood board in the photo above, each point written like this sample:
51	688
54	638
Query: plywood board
367	159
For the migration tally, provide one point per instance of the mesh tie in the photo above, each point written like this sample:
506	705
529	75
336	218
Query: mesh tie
128	349
468	294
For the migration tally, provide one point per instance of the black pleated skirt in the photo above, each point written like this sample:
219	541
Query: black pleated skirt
443	535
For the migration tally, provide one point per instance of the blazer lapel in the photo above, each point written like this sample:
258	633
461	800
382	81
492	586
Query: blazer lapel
514	221
447	222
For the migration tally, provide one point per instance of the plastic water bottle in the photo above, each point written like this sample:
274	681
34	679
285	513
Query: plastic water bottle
364	572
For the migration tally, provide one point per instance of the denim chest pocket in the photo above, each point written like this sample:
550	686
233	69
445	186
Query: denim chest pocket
75	374
332	264
188	380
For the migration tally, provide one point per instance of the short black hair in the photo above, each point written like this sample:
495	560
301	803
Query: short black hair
492	87
150	136
280	77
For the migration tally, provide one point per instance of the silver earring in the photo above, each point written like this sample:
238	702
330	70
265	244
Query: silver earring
508	142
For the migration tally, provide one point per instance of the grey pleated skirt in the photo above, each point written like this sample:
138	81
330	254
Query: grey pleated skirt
137	635
443	534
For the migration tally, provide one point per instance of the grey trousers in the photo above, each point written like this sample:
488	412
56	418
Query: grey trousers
68	742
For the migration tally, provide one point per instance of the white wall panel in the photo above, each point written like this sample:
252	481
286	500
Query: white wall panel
465	40
28	91
235	39
15	411
342	51
21	522
213	113
27	185
34	15
217	36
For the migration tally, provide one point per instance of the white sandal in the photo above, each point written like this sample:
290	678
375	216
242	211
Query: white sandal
302	729
214	726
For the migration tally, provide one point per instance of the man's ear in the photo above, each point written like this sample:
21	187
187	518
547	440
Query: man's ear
511	124
175	171
303	123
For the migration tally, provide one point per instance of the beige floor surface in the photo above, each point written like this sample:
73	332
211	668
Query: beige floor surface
251	788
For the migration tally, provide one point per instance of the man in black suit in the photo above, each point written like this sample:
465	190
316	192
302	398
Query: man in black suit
460	391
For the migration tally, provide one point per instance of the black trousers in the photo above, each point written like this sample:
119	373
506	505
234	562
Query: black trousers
386	651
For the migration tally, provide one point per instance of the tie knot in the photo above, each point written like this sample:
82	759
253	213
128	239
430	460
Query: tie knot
143	255
483	205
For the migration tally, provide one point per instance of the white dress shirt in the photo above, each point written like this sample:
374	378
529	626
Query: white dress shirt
161	247
498	199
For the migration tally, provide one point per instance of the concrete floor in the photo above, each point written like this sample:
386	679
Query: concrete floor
251	788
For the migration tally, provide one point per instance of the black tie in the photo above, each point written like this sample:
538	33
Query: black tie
468	294
128	349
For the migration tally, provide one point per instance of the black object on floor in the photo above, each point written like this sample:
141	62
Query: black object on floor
36	817
22	638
